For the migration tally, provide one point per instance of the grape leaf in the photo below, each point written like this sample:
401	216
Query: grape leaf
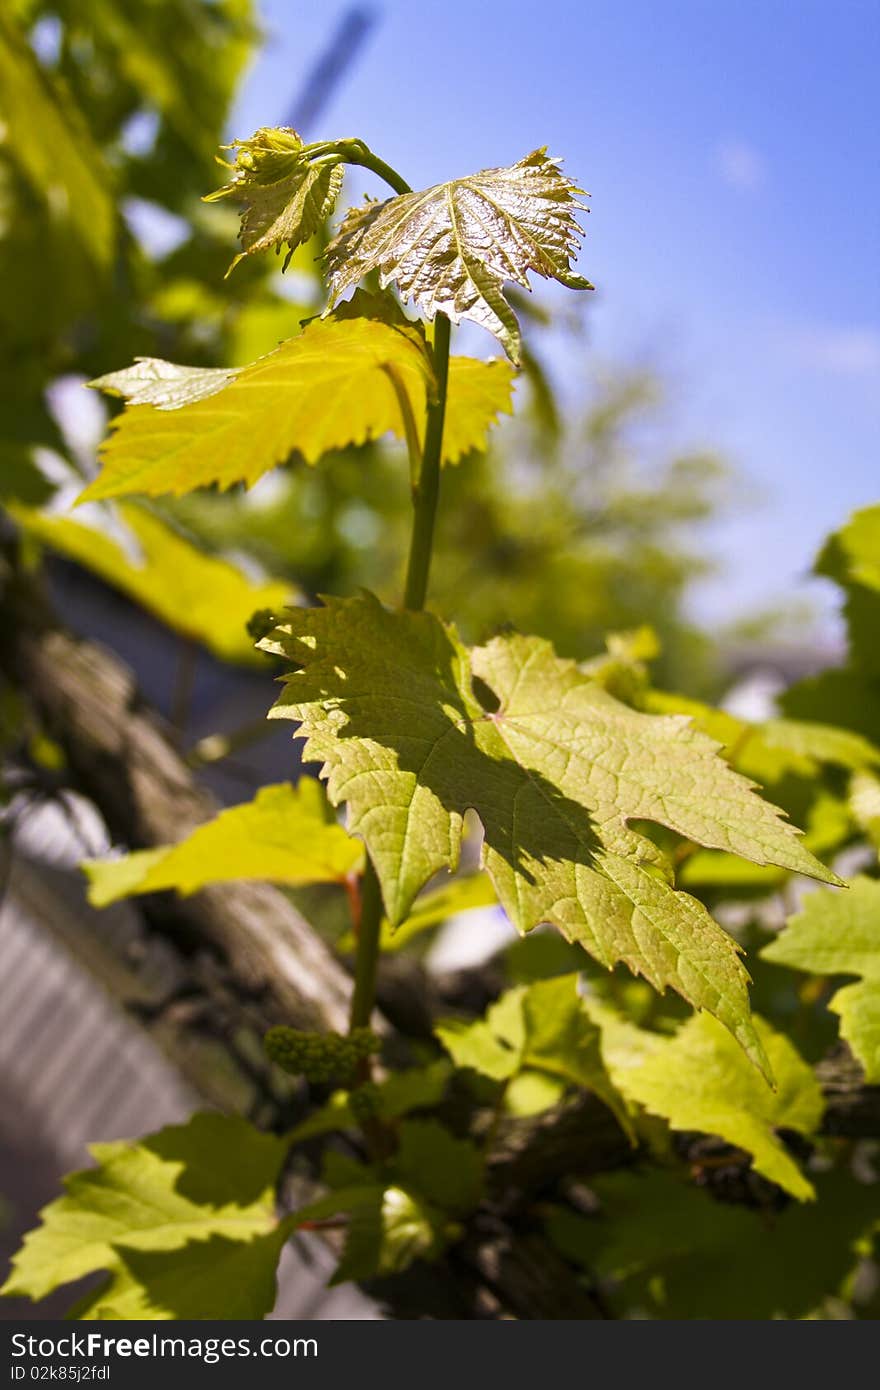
554	767
183	1221
477	393
400	1210
700	1080
286	198
199	595
166	385
839	934
447	1171
542	1027
452	248
850	555
673	1250
283	835
335	384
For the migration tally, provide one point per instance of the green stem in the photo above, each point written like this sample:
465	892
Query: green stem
356	152
367	954
427	490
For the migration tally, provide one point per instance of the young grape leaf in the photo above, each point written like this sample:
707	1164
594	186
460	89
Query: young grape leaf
286	197
839	934
554	767
203	597
183	1221
542	1027
283	835
337	383
850	555
700	1080
452	248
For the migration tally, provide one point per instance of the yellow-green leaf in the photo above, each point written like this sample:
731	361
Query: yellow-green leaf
555	768
478	393
324	389
839	934
198	595
432	908
183	1222
283	836
700	1080
542	1028
775	748
338	383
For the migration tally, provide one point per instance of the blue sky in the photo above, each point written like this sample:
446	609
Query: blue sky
730	148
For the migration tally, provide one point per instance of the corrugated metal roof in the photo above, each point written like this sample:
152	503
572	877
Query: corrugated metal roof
75	1068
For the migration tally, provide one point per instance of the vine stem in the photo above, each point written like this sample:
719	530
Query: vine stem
427	488
367	952
425	493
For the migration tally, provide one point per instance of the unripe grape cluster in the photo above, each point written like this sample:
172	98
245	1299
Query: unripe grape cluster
320	1057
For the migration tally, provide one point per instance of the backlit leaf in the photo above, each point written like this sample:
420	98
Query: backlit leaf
283	836
453	247
839	934
336	384
151	381
700	1080
554	767
540	1028
478	393
775	748
432	908
196	594
183	1221
388	1228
